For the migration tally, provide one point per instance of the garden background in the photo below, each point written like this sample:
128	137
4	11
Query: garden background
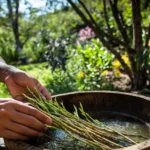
78	45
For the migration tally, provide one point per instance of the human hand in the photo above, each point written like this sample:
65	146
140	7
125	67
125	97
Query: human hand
21	121
18	81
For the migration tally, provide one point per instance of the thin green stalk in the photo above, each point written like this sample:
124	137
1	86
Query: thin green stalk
85	131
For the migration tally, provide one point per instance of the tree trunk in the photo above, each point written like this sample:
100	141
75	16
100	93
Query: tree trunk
140	72
120	43
13	16
102	35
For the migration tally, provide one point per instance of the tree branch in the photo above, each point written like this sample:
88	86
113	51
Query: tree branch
81	14
17	10
137	28
25	41
14	22
127	69
28	37
122	20
119	24
10	11
16	26
89	14
104	38
147	37
106	16
100	33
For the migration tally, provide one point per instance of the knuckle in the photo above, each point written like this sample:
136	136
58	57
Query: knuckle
42	127
31	111
20	137
9	135
29	132
2	131
47	120
13	135
35	123
4	112
35	133
44	119
30	121
34	80
12	104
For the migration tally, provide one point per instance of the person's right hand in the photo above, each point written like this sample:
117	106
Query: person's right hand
20	121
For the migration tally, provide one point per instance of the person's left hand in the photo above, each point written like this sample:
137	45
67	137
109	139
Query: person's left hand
18	81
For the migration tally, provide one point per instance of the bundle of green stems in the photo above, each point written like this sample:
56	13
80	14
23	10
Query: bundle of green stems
88	130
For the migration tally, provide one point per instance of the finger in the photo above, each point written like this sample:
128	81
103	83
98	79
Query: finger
28	121
20	98
31	111
13	135
23	130
6	99
43	91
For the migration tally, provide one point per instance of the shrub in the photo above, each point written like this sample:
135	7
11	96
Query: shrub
87	64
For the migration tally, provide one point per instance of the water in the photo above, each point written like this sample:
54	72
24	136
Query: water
133	127
130	126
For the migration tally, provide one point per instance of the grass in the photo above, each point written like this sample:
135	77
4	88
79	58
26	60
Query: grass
40	71
59	81
4	92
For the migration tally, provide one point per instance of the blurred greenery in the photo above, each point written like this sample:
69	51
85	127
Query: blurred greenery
83	70
39	71
63	52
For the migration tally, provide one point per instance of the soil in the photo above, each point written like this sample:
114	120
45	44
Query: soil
122	82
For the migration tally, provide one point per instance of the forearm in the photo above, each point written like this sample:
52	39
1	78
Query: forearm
5	70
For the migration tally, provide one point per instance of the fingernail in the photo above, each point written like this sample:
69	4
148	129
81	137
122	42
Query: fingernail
43	97
45	128
40	134
49	121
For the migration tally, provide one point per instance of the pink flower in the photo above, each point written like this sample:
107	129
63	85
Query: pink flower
86	33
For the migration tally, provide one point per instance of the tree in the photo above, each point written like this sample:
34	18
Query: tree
14	20
17	23
122	37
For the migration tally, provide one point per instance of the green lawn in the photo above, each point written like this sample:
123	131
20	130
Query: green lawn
40	71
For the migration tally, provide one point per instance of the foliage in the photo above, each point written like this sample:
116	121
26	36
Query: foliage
117	67
56	82
4	91
20	28
91	61
61	82
56	53
124	27
7	47
40	71
52	30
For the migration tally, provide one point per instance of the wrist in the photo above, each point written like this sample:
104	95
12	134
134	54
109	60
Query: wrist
5	71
